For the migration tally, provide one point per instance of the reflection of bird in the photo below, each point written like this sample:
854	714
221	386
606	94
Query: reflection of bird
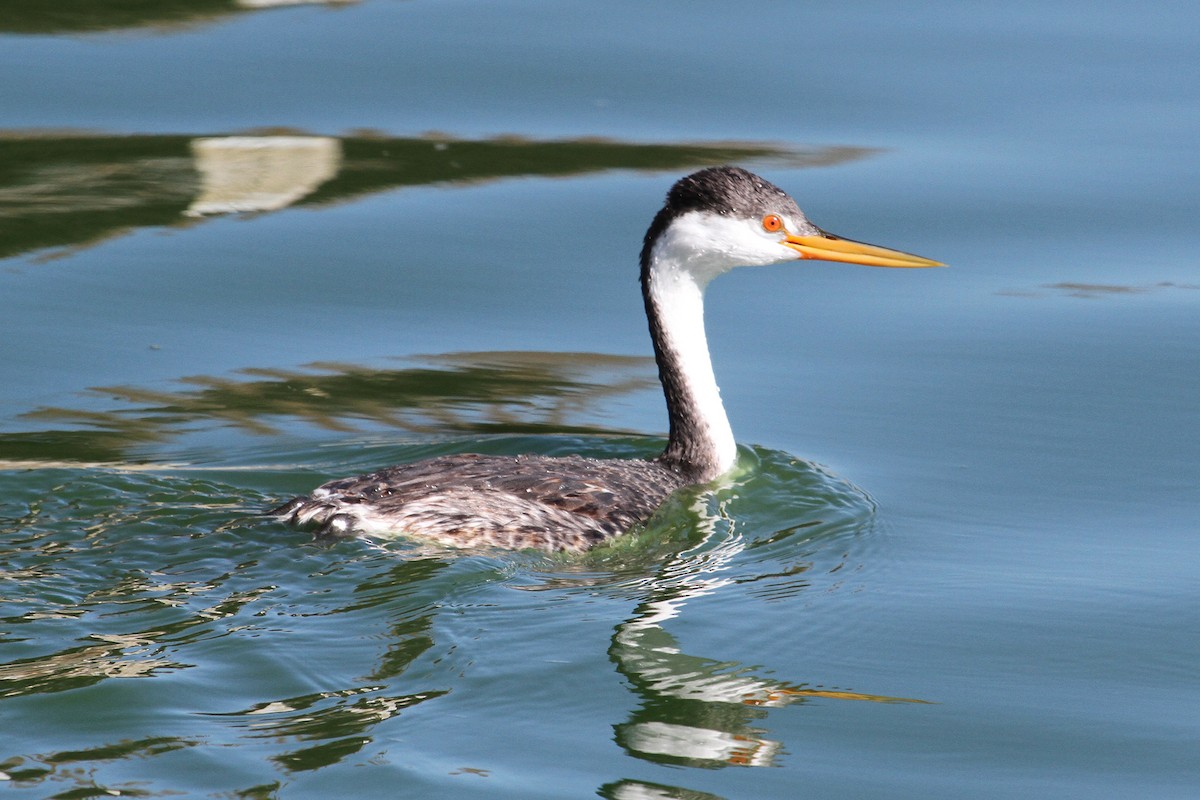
713	220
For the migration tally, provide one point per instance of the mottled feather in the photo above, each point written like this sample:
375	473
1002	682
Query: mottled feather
539	502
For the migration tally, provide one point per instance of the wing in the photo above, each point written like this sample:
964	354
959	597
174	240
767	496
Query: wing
541	502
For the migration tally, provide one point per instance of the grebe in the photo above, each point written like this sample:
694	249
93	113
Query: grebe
713	220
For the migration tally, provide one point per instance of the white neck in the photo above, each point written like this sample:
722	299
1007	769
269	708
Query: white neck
701	439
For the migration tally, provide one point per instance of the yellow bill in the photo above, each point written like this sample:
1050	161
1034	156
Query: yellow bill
827	247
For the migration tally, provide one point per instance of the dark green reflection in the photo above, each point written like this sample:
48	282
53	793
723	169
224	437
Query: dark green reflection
73	766
60	191
81	16
150	746
333	725
491	393
64	191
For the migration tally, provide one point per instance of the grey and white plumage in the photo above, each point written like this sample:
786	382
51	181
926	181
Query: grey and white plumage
541	502
712	221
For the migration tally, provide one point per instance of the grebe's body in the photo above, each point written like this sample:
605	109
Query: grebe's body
540	502
713	220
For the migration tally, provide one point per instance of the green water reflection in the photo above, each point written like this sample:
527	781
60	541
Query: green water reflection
482	393
65	191
157	579
92	16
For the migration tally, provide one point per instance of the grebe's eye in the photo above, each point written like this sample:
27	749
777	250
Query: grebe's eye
772	223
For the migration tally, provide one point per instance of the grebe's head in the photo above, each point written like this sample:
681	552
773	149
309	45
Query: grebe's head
725	217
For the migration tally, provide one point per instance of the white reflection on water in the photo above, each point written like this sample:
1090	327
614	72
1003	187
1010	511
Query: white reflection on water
700	711
260	173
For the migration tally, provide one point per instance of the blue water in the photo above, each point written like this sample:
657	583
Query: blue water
959	558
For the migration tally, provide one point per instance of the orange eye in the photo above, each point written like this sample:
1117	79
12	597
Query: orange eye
772	223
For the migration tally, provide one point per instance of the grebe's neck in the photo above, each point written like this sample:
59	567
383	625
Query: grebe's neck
701	442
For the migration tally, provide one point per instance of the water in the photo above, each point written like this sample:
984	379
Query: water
244	250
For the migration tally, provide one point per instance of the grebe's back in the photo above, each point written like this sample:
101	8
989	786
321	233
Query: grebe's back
537	502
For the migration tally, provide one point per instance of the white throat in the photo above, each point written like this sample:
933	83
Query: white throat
699	427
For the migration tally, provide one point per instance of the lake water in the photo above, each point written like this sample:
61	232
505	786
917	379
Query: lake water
246	249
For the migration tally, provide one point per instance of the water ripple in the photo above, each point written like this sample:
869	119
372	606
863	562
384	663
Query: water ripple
303	656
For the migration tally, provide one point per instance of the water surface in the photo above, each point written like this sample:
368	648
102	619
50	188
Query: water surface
246	249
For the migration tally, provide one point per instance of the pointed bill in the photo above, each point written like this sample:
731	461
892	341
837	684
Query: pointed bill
827	247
